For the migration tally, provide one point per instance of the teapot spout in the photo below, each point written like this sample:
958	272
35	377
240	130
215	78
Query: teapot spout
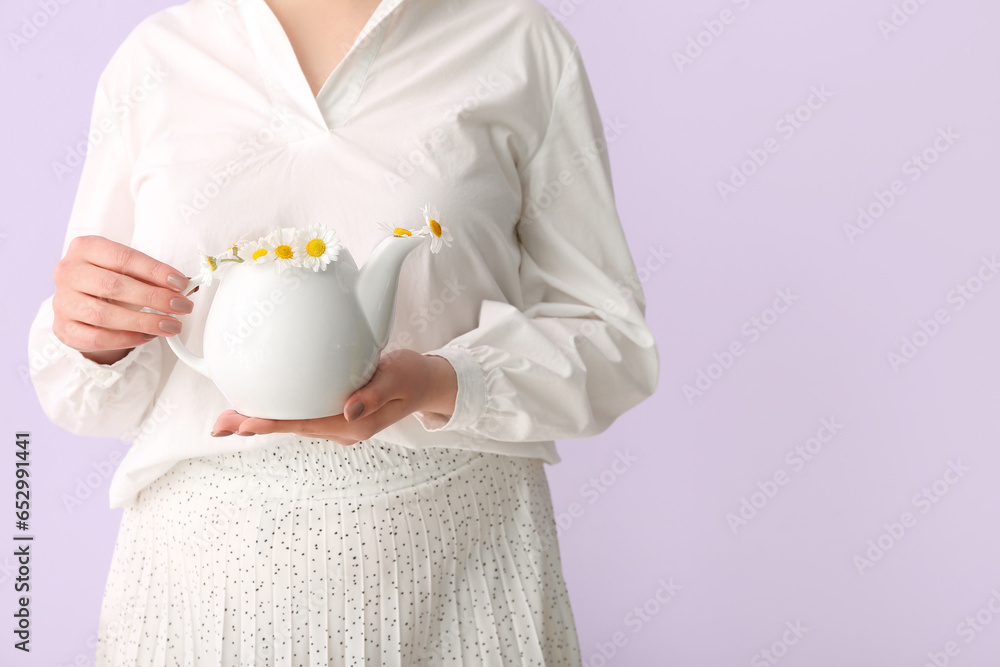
378	281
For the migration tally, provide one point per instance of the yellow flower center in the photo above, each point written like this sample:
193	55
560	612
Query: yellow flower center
435	227
284	251
212	264
259	252
399	231
316	248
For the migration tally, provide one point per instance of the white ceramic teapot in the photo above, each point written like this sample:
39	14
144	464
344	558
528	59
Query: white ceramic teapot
295	344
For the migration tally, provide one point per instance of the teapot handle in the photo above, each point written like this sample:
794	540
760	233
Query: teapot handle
185	355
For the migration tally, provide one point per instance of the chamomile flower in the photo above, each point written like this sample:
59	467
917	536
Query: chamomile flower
257	252
439	233
287	252
319	247
230	254
395	231
209	265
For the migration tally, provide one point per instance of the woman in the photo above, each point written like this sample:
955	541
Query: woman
417	528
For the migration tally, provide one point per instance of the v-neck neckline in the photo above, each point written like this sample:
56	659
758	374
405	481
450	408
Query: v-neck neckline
328	109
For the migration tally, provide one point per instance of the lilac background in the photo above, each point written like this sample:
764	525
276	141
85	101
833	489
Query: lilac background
663	519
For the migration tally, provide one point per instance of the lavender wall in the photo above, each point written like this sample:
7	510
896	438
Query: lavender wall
816	477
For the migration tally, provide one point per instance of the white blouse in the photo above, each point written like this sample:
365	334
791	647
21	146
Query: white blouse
205	131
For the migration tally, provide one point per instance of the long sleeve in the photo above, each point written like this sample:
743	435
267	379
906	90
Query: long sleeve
579	354
76	393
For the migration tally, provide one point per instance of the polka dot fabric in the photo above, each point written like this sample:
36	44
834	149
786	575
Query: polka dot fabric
312	553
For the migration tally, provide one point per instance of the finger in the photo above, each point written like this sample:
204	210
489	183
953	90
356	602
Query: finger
332	438
369	398
328	425
123	259
96	312
388	414
229	421
100	282
87	338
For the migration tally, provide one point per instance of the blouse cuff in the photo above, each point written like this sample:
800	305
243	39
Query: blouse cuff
102	375
470	400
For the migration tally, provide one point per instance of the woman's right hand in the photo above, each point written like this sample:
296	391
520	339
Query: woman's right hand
101	286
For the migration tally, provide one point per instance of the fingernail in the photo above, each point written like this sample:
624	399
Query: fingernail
177	281
221	434
181	305
245	434
170	326
149	336
354	411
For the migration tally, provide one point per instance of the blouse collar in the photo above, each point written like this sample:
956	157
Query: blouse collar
287	83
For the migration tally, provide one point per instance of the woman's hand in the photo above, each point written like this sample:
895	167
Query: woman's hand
404	382
101	286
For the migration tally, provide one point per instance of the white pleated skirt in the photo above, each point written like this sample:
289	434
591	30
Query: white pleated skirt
313	553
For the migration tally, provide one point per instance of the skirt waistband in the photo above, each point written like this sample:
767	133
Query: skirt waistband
322	468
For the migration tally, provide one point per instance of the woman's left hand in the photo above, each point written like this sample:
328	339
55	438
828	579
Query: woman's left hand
404	382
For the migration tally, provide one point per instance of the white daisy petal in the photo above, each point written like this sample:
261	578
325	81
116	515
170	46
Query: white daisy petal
287	249
320	246
395	231
439	237
208	265
257	252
